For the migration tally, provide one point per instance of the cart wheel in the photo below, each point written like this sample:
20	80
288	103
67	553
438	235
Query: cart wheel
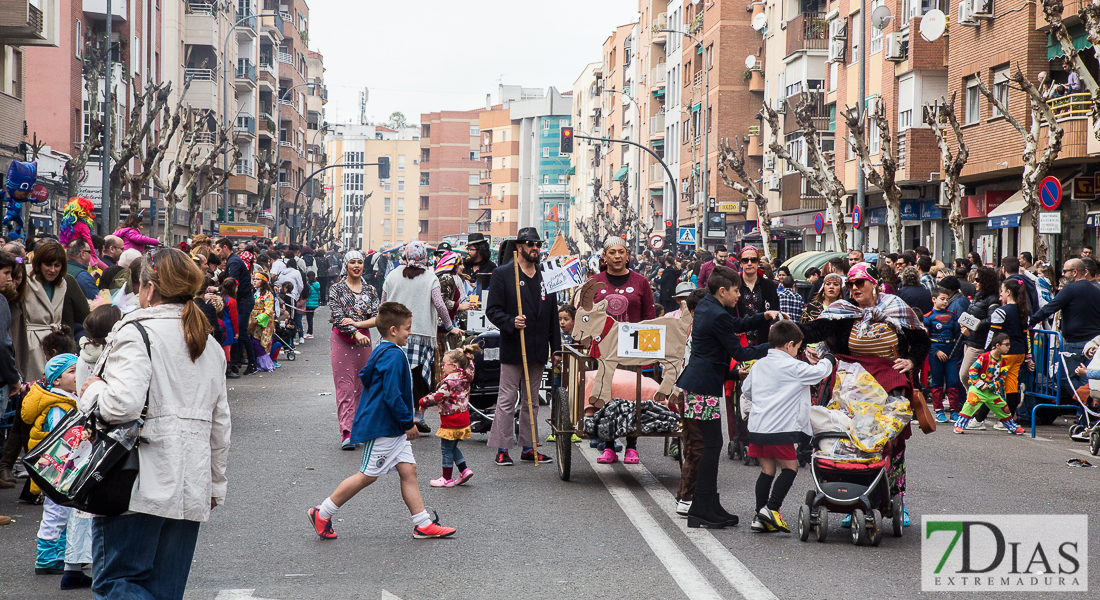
876	533
810	495
733	450
897	515
291	354
1075	429
804	525
1094	442
859	527
822	525
564	436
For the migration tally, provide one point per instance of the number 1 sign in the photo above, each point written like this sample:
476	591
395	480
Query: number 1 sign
640	340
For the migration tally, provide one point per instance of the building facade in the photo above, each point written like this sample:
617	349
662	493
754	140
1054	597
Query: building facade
449	177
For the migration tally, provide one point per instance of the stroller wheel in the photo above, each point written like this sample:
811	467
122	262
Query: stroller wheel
291	354
810	495
859	527
1075	429
1094	442
897	515
733	450
804	524
822	525
876	533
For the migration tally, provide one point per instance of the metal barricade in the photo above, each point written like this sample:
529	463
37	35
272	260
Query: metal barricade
1045	382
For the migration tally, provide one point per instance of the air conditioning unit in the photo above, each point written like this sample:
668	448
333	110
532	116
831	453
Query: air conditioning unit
769	162
780	105
893	47
983	9
838	29
966	16
774	183
836	50
416	161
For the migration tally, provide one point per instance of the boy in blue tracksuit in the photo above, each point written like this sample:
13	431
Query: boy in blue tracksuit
943	362
384	425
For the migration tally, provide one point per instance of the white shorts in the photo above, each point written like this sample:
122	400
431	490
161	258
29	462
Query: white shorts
381	455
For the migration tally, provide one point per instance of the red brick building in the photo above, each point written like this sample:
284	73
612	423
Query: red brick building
450	168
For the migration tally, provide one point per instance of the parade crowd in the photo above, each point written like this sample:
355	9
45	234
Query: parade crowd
120	325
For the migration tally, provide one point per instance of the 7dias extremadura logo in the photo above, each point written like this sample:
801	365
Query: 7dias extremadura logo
1009	553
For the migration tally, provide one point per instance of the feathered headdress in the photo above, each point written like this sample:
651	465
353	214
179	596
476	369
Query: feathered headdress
78	210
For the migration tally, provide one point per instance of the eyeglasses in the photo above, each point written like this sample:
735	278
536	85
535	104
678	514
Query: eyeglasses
531	244
746	261
1064	271
83	252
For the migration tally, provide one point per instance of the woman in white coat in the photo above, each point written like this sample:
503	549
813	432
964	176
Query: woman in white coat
147	552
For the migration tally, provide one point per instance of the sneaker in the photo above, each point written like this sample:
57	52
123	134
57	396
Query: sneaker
773	518
423	427
432	530
576	439
529	456
959	429
682	508
846	522
551	438
941	417
976	425
231	374
631	457
1010	426
904	517
277	365
309	336
74	580
503	460
323	526
759	526
464	476
954	415
1000	426
608	457
347	444
442	482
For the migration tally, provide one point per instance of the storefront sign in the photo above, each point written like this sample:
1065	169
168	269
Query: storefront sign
876	217
716	224
929	210
1050	222
1083	188
981	205
1003	222
241	230
910	210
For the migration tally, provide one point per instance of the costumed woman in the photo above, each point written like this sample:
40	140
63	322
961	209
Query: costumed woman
76	223
884	335
453	290
18	188
261	323
353	304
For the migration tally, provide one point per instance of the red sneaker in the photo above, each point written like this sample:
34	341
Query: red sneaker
323	526
431	530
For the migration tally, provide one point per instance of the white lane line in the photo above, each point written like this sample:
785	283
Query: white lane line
735	572
687	576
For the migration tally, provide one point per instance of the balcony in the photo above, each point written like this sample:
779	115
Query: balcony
247	25
96	9
657	76
284	57
246	70
657	176
807	31
697	80
32	22
203	91
798	194
246	124
201	27
245	166
660	22
657	125
756	81
819	111
273	22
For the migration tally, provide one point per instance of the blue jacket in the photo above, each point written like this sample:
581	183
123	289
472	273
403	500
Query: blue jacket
714	341
386	404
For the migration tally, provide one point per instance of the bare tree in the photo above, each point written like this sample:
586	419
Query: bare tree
615	216
1036	166
951	163
267	175
885	178
731	159
1090	15
820	172
93	67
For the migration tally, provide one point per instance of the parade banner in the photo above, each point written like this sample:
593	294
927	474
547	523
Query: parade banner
561	273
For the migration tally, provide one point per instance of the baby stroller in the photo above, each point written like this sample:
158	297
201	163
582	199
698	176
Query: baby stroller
1087	426
737	427
859	487
281	336
483	389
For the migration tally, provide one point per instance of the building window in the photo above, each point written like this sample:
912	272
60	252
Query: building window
425	179
972	105
386	185
546	124
504	135
475	155
1000	90
546	151
563	123
423	203
546	179
425	155
400	206
401	162
874	144
401	227
473	179
386	206
385	227
17	73
474	130
853	29
562	179
794	148
876	33
426	131
400	184
79	45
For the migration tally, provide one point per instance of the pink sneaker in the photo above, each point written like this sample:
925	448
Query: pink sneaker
465	476
608	457
630	457
442	482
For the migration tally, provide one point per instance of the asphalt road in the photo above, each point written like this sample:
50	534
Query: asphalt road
610	532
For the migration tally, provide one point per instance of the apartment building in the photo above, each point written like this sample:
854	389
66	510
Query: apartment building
450	175
25	24
586	109
316	157
372	212
651	97
619	117
673	107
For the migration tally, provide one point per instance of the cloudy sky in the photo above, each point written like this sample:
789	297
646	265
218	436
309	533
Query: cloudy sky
420	56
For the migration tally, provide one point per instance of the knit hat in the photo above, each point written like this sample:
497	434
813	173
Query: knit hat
128	257
950	283
58	365
612	241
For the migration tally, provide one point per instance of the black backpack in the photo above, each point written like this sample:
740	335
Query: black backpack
308	259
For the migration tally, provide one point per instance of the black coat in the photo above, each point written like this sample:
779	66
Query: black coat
714	342
769	293
543	334
917	297
669	279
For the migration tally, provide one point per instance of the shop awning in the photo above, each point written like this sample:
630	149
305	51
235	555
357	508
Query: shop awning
621	173
1007	214
1093	219
572	170
1080	41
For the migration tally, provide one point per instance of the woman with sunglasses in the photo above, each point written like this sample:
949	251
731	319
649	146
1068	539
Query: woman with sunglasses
883	334
758	294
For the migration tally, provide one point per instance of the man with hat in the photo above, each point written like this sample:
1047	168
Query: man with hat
478	260
542	336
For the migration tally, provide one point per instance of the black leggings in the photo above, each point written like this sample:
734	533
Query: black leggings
707	474
309	321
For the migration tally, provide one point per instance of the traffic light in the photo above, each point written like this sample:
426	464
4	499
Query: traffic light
566	146
383	167
670	235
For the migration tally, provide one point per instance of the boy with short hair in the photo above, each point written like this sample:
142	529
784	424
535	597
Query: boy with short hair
943	328
775	399
384	425
987	386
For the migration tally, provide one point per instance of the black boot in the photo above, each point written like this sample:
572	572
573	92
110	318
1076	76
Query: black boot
702	513
731	519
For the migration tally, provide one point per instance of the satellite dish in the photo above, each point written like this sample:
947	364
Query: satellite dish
932	25
759	22
881	17
750	61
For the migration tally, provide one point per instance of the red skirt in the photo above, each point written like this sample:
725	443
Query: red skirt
776	451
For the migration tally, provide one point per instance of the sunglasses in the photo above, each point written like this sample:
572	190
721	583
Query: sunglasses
746	261
533	244
1064	271
854	283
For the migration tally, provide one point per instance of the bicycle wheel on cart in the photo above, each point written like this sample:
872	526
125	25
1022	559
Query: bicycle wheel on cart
563	432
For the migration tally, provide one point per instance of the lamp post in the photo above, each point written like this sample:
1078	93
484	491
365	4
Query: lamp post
861	192
105	201
706	132
637	190
225	107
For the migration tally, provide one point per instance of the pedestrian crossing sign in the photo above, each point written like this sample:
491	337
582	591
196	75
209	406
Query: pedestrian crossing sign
687	236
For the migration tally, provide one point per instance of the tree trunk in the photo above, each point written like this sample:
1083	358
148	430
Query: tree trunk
955	220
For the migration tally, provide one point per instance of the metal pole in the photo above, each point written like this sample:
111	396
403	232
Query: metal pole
106	207
861	197
278	143
706	141
699	233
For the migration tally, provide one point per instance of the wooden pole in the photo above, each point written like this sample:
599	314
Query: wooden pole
526	372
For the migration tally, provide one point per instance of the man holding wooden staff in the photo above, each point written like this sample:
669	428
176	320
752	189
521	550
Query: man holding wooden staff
536	323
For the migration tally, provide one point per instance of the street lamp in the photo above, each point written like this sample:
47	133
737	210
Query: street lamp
706	130
225	110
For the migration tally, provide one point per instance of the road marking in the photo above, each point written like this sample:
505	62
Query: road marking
735	572
238	595
690	580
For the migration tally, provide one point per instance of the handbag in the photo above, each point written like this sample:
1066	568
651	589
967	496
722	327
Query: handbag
87	464
921	412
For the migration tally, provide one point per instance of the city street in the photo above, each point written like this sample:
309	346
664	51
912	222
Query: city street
522	533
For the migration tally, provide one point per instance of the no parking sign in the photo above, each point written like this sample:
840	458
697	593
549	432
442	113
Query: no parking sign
1050	193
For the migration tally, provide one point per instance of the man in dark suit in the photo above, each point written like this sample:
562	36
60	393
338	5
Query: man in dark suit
541	332
235	267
